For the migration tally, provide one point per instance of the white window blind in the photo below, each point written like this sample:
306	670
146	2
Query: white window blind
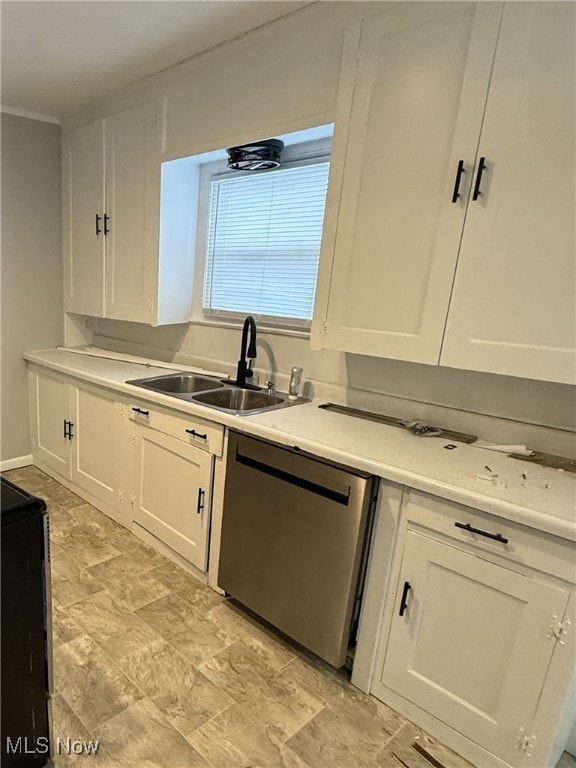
263	242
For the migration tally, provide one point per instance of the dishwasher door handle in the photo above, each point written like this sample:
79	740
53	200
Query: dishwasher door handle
289	477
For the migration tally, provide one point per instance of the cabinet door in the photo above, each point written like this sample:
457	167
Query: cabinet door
95	441
49	414
132	204
174	490
513	306
83	201
418	100
473	645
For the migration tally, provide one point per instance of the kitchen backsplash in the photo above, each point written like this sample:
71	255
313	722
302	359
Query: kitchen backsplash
539	414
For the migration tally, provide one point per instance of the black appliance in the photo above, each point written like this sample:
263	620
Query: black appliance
26	630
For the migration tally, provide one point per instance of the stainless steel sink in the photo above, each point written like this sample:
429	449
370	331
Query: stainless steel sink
238	399
213	393
178	383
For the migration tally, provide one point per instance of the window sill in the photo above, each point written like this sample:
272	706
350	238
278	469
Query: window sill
304	333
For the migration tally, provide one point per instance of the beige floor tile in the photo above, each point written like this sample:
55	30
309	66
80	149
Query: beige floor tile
129	587
66	725
54	493
350	730
187	587
125	541
91	683
100	524
60	518
318	677
64	628
194	635
141	737
235	739
269	696
176	687
70	582
84	546
239	626
117	631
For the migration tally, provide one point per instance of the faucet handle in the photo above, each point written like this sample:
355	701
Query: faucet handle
269	388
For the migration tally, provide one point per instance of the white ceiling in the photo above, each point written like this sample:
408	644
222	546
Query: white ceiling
58	55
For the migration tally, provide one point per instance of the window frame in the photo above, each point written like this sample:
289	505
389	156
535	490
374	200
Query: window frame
307	153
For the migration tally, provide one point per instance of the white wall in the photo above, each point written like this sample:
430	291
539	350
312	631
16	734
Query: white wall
31	268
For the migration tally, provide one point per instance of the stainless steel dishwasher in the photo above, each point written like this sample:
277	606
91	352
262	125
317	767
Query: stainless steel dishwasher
294	540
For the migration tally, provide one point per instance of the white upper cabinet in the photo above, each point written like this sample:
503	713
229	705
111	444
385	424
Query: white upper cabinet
132	208
419	93
513	310
439	91
83	198
113	265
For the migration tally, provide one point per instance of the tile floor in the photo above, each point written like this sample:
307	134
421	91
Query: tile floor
165	673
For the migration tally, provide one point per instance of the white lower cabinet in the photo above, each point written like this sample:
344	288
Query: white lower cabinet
173	478
49	416
173	495
76	434
470	633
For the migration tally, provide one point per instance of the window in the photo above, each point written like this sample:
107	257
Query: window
262	241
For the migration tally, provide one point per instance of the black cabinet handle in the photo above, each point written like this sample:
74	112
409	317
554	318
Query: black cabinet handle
70	433
141	412
98	230
196	434
459	173
481	167
200	505
106	227
65	429
404	601
470	529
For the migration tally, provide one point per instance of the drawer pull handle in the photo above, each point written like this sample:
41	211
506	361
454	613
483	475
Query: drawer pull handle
481	168
200	505
461	170
470	529
98	229
404	601
106	227
141	412
196	434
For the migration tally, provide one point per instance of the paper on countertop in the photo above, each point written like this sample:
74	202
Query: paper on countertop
108	354
519	450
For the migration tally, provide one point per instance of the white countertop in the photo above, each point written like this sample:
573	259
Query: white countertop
545	499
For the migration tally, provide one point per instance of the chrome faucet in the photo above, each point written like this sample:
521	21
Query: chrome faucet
244	370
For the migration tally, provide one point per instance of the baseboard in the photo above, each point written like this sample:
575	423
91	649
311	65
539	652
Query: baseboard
19	461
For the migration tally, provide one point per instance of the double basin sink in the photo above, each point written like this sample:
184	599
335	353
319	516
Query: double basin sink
214	393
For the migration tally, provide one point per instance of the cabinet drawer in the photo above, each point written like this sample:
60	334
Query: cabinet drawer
191	429
516	543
